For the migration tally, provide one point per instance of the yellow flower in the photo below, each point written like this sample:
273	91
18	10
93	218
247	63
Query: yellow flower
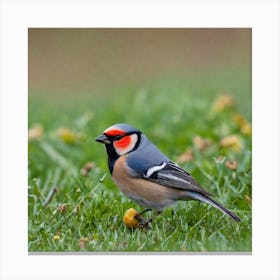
129	218
232	141
68	136
231	164
201	143
56	237
243	124
246	129
35	132
222	102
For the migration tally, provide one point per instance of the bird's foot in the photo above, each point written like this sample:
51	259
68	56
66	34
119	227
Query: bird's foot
144	224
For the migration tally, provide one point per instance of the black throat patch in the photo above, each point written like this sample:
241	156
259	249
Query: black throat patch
112	156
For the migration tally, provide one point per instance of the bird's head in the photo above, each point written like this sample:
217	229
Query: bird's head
121	138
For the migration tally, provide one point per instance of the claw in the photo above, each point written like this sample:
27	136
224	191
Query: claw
144	224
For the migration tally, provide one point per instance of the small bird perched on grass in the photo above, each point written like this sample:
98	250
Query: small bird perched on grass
148	177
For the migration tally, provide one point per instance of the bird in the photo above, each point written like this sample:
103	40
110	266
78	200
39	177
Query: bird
147	176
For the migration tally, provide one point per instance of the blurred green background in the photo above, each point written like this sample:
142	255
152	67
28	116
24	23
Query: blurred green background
167	83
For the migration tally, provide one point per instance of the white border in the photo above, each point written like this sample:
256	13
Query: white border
262	16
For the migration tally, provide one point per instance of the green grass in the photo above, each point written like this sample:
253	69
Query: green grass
171	115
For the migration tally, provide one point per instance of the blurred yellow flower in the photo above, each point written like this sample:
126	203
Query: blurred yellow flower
231	164
129	218
222	102
246	129
233	141
201	143
56	237
35	132
68	136
243	124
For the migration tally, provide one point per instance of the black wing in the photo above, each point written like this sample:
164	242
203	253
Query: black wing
172	175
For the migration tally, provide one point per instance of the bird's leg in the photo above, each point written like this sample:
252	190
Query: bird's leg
138	215
145	223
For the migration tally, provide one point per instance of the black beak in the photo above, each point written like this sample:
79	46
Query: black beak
103	139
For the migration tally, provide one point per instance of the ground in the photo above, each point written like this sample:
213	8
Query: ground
73	204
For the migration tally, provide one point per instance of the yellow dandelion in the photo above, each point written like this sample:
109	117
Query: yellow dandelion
231	164
201	143
239	119
35	132
68	136
246	129
243	124
56	237
222	102
233	141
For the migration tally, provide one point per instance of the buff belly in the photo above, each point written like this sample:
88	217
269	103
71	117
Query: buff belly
143	192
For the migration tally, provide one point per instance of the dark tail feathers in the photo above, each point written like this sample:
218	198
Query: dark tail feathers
203	198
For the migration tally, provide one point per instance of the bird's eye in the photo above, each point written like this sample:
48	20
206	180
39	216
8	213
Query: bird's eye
118	137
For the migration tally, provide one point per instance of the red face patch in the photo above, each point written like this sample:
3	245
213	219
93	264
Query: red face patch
115	132
123	143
